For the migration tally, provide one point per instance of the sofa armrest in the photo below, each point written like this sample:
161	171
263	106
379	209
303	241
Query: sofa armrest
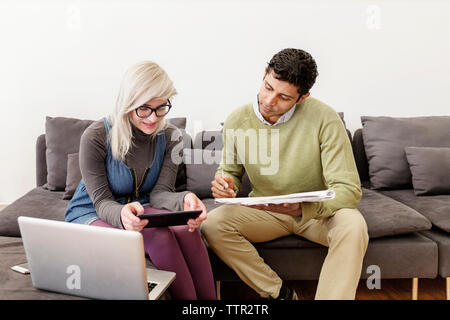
41	161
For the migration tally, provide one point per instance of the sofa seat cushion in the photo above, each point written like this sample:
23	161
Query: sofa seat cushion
386	217
38	203
435	208
443	242
404	256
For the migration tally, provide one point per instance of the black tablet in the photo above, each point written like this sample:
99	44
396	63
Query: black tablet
164	219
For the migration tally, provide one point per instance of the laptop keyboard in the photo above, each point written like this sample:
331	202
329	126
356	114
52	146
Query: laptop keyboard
151	286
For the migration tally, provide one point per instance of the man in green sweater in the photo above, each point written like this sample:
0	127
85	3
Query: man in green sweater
289	142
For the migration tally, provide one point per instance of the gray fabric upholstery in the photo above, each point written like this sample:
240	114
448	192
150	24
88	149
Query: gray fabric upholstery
385	216
73	175
39	203
443	241
405	256
178	122
434	208
41	161
62	137
210	140
201	166
430	169
385	139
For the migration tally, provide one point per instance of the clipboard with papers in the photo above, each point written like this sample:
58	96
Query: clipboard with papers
313	196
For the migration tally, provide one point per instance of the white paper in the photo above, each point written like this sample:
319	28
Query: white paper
314	196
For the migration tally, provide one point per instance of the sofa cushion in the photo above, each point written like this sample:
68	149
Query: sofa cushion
386	217
404	256
434	208
443	241
201	166
385	139
430	169
38	203
210	140
73	175
180	123
62	137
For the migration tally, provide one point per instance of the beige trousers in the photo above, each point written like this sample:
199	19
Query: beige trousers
231	229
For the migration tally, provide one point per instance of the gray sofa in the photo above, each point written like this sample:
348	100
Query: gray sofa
408	238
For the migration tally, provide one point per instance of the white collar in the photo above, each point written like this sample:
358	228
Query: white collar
284	118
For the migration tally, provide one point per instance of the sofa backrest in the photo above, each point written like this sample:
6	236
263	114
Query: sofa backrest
209	140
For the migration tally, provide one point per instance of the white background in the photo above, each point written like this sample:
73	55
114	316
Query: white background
66	58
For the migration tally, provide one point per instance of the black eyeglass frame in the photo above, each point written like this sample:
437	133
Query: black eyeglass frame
168	104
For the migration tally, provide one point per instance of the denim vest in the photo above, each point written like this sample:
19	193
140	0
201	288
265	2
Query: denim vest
122	182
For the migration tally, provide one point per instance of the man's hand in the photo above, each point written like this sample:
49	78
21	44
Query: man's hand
129	219
223	187
192	202
291	209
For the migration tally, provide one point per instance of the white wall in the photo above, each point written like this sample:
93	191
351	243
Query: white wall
66	58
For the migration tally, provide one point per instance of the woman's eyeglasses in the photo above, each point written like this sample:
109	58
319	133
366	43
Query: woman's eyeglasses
146	111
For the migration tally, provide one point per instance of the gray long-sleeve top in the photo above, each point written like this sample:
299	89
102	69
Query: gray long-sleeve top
93	149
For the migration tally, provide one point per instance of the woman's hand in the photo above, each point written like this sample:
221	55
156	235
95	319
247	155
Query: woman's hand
191	202
129	219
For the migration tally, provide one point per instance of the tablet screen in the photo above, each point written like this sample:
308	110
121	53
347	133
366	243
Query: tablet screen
164	219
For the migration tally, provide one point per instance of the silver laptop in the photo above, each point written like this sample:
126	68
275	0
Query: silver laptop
88	261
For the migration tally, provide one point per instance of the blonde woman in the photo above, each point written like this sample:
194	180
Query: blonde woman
125	162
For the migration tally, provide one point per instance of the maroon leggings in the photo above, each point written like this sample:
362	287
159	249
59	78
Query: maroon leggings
178	250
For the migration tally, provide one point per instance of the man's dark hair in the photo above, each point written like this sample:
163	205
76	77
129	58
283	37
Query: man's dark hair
296	67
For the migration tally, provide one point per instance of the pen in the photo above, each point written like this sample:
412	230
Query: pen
223	177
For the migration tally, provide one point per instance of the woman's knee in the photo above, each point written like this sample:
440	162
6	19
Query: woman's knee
160	235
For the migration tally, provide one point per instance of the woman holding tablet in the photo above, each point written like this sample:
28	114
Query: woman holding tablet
129	159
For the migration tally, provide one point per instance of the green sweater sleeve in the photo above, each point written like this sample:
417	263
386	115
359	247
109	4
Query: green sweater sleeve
339	172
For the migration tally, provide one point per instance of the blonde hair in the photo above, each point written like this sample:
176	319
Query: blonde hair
141	82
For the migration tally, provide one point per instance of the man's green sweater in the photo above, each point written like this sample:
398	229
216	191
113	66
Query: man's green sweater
309	152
